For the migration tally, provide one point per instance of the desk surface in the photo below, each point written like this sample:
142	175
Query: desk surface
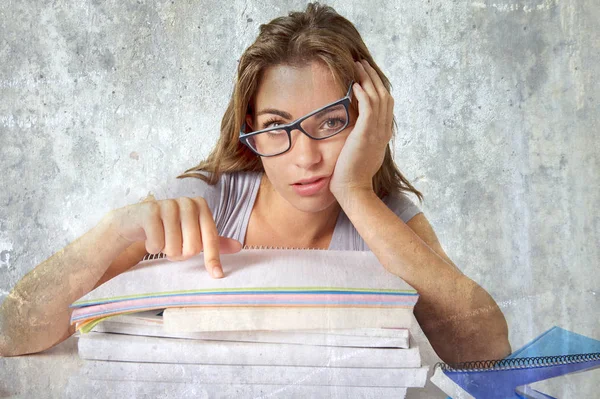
46	374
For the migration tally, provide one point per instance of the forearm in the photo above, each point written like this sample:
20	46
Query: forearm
36	313
460	319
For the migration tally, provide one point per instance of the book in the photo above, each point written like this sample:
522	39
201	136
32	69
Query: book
282	318
159	389
555	352
237	374
150	323
131	348
299	279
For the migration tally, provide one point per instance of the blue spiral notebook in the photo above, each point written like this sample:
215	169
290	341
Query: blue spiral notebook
554	353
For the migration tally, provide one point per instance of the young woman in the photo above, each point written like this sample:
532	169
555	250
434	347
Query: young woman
303	161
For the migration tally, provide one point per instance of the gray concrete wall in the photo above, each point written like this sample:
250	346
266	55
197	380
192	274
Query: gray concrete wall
497	107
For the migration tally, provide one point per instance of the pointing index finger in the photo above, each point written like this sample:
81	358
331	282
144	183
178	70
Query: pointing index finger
210	242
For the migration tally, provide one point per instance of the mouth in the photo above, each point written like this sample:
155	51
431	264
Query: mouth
308	181
311	186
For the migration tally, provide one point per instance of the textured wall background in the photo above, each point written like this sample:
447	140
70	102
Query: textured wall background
497	107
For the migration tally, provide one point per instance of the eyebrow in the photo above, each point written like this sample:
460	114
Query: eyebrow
274	111
284	114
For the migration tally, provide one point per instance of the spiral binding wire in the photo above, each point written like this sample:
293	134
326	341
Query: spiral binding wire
518	363
148	256
161	255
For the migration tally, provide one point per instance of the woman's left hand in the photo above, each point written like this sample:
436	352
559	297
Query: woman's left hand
363	152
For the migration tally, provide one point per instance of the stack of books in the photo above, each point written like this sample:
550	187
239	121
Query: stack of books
280	324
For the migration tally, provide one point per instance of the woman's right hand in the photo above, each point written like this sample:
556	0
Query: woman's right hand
180	228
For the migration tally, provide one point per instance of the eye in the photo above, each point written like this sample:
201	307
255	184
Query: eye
333	123
270	122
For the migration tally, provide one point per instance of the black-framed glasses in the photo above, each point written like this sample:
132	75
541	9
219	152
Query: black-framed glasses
320	124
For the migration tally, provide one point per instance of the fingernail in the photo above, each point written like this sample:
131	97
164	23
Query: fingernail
217	272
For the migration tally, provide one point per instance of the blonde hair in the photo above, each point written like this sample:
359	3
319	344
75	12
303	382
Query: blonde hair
317	34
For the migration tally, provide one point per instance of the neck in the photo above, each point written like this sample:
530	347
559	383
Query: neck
302	229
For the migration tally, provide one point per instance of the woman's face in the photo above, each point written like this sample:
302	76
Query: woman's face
298	92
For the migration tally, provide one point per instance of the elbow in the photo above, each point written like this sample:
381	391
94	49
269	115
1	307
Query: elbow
504	350
487	335
20	336
9	349
490	343
493	345
500	347
4	344
20	344
483	341
504	347
12	342
5	347
490	340
6	352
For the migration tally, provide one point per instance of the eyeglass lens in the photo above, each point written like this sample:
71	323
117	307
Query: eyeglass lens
323	124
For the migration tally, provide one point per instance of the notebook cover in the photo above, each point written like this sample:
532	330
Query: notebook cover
503	383
578	385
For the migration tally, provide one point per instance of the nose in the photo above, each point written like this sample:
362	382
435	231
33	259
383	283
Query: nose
305	151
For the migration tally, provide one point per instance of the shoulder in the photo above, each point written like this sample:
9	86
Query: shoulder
241	181
347	237
414	218
402	205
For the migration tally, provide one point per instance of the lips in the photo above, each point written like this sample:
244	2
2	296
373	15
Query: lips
311	187
309	180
